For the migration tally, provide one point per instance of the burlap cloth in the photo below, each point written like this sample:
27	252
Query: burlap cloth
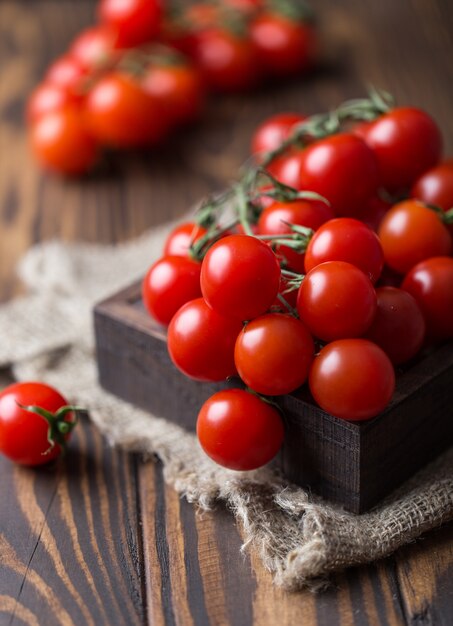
47	335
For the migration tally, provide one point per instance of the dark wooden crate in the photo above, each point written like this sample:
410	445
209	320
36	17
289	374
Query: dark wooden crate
354	465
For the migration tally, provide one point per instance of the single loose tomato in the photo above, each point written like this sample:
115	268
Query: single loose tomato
134	21
341	168
227	61
352	378
201	342
238	430
271	133
121	114
275	220
178	88
283	46
336	300
93	48
169	283
240	277
431	284
24	434
182	237
398	326
273	354
61	142
409	233
346	239
406	142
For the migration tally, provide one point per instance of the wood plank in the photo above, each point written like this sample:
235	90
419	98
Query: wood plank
70	538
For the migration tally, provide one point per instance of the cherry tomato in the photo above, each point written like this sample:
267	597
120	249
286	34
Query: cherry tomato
93	48
62	143
66	73
238	430
352	379
201	342
169	283
374	212
410	233
398	326
290	296
179	90
336	300
271	133
240	277
341	168
406	142
283	46
346	239
121	114
431	284
227	61
274	220
436	187
181	238
273	354
46	98
134	21
23	433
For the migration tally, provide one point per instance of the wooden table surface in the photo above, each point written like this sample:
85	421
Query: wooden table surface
102	540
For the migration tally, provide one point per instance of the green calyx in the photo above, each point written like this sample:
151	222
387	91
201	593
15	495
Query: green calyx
58	426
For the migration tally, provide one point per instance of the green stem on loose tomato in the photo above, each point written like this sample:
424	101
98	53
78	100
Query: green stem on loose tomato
58	427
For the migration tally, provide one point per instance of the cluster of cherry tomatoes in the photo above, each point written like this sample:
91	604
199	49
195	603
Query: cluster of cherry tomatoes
328	263
143	71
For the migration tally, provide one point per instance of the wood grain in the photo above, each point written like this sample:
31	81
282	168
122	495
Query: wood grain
100	539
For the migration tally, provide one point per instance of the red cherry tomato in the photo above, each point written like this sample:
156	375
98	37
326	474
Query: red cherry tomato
275	218
240	277
134	21
273	354
182	237
436	187
179	90
60	141
271	133
47	98
227	61
201	342
336	300
120	113
374	212
93	48
239	430
431	284
406	142
168	285
341	168
283	46
23	433
66	73
346	239
398	326
410	233
352	379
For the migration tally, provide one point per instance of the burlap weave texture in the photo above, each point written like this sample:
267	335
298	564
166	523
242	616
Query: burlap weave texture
47	335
